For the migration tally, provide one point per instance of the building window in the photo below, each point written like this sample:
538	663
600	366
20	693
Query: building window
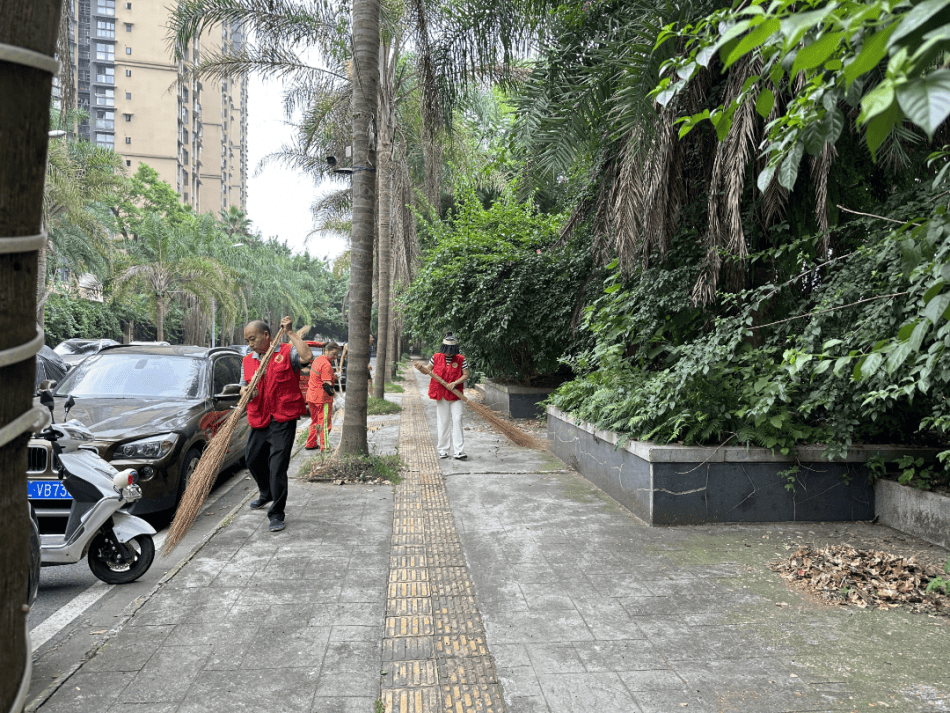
184	136
128	6
184	93
105	7
186	198
128	27
128	162
105	139
105	119
105	97
105	75
128	50
128	139
105	51
128	73
105	28
128	117
184	157
128	95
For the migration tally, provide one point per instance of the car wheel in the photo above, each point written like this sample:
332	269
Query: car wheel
188	465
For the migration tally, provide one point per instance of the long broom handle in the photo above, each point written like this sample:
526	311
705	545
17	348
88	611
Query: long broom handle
441	381
261	370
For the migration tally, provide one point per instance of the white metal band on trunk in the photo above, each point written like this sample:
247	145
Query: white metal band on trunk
28	58
23	243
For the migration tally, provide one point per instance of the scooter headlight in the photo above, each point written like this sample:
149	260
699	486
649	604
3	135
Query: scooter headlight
153	447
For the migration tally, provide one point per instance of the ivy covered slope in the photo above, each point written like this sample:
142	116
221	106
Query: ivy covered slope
831	324
493	277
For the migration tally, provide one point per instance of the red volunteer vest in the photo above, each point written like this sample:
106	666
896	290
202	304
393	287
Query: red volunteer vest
320	370
278	394
449	371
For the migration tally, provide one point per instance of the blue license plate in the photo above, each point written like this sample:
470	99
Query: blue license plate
48	490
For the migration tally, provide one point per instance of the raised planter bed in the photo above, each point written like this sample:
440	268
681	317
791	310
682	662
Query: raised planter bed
516	401
685	485
917	512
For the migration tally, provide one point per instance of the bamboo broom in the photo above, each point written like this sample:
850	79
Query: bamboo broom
513	433
206	472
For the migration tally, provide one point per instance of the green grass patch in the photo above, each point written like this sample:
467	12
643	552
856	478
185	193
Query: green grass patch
379	407
302	437
393	388
353	469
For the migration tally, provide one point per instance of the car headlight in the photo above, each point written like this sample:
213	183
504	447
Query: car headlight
153	447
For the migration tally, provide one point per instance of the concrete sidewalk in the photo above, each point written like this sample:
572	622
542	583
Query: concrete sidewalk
502	583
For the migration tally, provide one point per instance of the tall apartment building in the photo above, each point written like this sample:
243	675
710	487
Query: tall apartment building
142	103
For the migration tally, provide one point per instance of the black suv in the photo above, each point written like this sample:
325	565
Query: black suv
152	408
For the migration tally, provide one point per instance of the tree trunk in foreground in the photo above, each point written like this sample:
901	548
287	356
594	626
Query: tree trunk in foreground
24	127
365	85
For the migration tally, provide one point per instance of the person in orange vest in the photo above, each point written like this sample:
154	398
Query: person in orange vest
272	414
320	397
449	364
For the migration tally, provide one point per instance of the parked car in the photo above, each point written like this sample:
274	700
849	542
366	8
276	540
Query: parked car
151	408
33	580
74	351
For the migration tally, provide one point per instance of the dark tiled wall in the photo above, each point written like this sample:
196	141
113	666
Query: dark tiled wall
696	493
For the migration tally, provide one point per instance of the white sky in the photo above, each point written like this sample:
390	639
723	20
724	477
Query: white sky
279	198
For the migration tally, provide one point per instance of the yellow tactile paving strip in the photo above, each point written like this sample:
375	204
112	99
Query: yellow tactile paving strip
435	655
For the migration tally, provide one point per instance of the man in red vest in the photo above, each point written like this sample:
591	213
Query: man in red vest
452	368
272	414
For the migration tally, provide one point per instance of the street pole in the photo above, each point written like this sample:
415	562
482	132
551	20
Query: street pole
28	31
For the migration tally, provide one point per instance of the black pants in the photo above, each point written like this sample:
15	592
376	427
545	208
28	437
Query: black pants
268	455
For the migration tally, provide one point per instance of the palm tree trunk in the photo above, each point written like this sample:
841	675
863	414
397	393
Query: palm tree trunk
365	84
159	320
41	285
24	123
385	196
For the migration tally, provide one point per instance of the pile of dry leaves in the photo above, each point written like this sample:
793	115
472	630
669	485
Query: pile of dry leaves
841	574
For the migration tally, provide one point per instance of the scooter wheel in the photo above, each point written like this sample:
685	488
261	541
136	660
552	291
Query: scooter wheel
106	562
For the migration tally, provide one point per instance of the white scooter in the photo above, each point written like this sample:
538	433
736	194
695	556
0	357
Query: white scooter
118	545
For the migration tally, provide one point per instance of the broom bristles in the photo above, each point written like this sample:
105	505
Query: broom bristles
206	472
512	432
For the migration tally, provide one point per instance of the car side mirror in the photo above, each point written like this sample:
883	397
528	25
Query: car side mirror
47	400
229	391
47	384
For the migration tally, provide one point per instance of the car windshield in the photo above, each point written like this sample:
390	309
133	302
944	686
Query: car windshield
117	375
68	348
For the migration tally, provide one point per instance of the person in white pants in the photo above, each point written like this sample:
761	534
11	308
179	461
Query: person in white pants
452	367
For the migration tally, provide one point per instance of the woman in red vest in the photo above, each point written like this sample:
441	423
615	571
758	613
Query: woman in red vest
272	414
320	396
452	367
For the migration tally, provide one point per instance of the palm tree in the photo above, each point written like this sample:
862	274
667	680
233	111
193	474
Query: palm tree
80	176
24	124
171	261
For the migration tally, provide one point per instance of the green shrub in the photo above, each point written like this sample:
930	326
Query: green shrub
495	279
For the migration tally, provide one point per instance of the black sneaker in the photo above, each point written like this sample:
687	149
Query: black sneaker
258	504
276	525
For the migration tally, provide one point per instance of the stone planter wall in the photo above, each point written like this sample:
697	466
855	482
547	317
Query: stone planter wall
917	512
682	485
517	401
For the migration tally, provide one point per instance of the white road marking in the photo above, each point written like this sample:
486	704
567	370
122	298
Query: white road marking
65	615
52	625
